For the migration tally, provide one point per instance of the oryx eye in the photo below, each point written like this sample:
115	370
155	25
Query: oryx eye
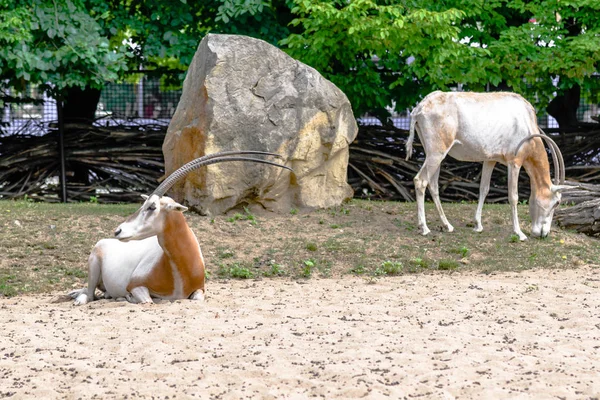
151	207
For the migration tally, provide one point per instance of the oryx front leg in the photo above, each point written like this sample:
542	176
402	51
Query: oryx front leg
140	294
513	198
484	188
428	172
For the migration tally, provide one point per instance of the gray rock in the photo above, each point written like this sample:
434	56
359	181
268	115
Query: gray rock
242	93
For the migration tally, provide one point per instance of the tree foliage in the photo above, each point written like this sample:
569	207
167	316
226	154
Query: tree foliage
381	52
85	43
164	35
56	44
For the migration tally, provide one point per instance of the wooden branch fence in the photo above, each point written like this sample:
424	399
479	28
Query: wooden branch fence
112	164
117	163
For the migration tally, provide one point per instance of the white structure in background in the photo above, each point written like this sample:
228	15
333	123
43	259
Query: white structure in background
30	119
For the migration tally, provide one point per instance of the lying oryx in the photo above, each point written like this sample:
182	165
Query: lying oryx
489	128
154	254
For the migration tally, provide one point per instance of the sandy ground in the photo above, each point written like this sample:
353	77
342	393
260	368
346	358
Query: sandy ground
534	334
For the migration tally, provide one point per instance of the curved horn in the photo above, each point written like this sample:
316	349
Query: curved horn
212	159
557	158
561	160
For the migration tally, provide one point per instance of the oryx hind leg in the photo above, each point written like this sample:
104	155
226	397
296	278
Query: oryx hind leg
424	178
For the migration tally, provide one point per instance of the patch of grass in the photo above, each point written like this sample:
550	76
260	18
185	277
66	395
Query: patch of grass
235	270
224	252
247	216
275	270
324	268
358	270
463	251
409	226
333	244
76	272
389	268
307	268
341	210
448	265
311	246
417	264
293	211
6	287
514	238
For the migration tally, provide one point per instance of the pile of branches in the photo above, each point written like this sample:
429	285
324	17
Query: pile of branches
378	168
115	163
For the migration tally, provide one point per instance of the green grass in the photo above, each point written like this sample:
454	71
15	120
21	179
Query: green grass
44	247
463	251
389	268
448	265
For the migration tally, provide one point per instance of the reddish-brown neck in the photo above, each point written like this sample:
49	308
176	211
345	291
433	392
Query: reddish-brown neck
538	168
182	250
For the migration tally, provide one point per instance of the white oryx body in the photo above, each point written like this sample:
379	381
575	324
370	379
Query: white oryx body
155	254
118	260
489	128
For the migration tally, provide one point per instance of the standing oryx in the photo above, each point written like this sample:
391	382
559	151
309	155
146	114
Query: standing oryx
489	128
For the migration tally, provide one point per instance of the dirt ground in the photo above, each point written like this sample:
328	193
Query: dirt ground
531	334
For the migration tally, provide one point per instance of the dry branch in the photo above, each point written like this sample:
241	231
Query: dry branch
584	217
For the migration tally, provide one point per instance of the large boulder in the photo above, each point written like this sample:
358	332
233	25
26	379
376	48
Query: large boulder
242	93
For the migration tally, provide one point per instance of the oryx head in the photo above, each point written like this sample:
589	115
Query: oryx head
544	200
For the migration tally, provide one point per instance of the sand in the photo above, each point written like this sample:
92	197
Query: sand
534	334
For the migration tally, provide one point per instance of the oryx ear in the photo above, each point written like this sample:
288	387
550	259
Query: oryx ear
176	207
145	196
561	188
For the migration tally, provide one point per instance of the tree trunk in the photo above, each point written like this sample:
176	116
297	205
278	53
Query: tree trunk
584	217
80	105
564	107
79	111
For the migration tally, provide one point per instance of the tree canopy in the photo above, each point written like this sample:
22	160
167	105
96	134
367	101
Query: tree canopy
56	44
381	53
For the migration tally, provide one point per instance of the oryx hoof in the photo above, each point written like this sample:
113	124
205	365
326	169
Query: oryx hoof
81	300
522	237
198	295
